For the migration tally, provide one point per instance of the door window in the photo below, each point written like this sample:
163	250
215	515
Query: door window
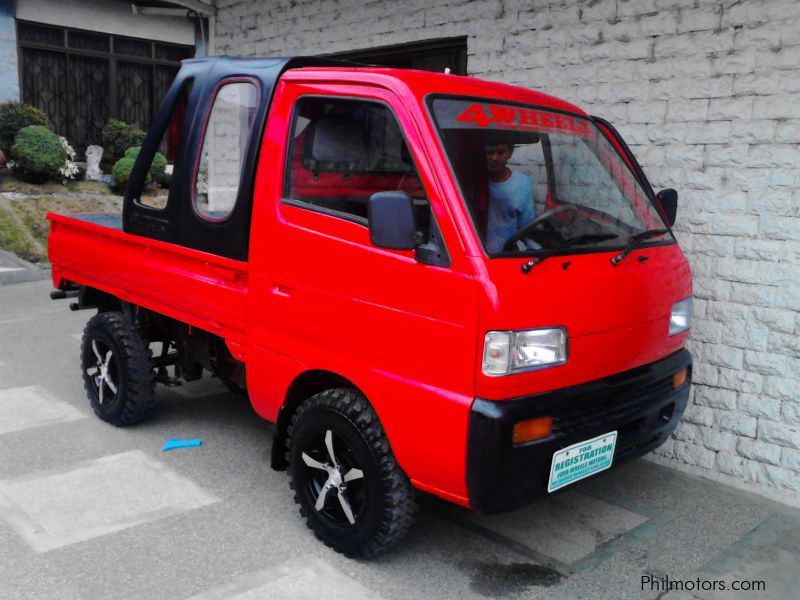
342	152
227	137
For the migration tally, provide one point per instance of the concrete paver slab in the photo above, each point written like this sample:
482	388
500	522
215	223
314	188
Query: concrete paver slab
73	504
566	527
32	406
304	578
764	563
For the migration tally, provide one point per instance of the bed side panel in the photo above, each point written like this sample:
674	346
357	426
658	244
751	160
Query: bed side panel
194	287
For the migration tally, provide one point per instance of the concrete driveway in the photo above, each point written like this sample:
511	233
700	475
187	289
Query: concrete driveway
90	511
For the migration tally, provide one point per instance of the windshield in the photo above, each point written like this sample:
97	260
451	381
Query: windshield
540	182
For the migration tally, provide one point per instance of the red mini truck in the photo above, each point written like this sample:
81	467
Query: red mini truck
427	282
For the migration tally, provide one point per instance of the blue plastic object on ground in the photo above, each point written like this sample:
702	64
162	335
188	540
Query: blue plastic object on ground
176	443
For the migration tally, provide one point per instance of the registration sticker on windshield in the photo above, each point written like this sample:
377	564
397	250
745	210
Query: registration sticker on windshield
580	460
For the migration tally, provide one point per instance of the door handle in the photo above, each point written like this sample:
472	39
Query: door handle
283	291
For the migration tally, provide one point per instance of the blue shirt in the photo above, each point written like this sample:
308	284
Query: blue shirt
510	207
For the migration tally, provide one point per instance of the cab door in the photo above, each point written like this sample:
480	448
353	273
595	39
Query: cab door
399	325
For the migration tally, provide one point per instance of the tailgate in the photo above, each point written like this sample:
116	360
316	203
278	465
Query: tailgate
201	289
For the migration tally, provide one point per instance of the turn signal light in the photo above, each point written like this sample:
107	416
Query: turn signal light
679	379
532	429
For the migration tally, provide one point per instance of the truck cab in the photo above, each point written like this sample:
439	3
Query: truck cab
428	282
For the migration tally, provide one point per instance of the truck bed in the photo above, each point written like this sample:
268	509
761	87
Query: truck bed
201	289
110	220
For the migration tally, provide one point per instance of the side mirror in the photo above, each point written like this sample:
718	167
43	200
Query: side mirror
392	221
668	199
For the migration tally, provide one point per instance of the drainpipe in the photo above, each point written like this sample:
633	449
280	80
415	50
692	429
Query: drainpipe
212	35
9	67
204	16
201	41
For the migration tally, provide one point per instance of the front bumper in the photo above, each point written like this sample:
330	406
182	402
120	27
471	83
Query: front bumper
639	404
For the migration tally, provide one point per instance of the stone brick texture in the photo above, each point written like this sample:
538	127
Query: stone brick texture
707	95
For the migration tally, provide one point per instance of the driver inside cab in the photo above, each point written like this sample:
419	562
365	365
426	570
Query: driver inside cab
510	195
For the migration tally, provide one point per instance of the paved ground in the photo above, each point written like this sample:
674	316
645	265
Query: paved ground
15	270
88	511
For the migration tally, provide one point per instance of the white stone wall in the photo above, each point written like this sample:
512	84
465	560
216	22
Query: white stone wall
708	95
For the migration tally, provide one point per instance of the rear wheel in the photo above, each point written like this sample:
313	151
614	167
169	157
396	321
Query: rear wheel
350	489
117	370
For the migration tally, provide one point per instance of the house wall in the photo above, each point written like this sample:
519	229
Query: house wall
9	71
707	95
107	16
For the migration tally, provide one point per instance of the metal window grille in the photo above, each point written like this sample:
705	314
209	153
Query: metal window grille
80	79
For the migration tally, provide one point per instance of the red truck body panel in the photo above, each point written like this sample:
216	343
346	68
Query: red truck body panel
201	289
617	317
317	295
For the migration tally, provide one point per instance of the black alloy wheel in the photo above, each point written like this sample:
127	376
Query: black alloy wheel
334	480
347	483
104	375
117	370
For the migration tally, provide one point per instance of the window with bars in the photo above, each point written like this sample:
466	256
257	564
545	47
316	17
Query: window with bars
80	79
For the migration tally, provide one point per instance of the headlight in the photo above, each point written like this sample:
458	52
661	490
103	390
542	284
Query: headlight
506	352
681	317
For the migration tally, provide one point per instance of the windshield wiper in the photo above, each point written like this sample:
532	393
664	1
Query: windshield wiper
526	267
580	239
636	240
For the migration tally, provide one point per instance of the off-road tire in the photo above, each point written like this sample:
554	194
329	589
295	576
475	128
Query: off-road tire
131	364
390	505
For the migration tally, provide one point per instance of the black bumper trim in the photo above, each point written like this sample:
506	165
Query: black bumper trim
639	404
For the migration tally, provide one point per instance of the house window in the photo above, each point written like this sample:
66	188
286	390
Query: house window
80	79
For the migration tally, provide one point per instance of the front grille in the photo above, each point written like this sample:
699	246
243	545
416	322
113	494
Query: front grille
612	408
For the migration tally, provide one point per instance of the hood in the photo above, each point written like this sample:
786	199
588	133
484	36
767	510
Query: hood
616	317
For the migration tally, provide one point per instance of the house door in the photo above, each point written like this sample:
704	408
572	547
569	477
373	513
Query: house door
431	55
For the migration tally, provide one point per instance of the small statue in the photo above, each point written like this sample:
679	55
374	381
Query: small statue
93	155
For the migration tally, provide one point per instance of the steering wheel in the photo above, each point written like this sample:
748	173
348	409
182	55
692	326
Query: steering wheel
522	231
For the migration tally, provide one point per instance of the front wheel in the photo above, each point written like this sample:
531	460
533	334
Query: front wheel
117	370
350	489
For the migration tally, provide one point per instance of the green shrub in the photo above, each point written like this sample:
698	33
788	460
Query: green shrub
15	116
122	172
38	154
117	138
157	167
